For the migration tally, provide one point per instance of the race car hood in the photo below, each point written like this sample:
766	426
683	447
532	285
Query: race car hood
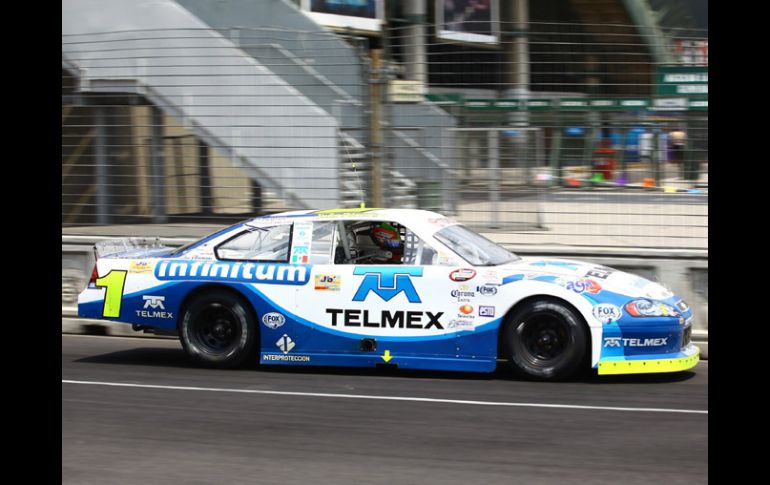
566	272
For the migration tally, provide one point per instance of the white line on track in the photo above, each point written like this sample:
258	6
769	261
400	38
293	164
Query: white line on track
118	338
385	398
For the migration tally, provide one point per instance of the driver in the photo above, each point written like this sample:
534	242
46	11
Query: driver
388	239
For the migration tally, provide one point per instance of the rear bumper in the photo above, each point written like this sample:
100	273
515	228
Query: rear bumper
646	364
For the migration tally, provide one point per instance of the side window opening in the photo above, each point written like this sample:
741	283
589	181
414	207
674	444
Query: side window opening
324	236
258	244
375	242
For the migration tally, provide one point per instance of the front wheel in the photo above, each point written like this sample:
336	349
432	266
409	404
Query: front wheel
218	330
545	340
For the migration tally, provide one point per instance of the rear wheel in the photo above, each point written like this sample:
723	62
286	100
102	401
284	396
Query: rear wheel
545	340
218	330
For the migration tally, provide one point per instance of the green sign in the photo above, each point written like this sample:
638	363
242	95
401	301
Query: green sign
682	81
562	104
569	104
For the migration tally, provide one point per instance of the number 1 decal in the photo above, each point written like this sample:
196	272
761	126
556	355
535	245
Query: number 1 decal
113	281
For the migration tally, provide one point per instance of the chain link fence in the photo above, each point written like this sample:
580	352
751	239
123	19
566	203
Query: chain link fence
573	134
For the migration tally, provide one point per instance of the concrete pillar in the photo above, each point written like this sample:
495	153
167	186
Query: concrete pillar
101	169
376	138
515	34
157	172
207	200
414	49
494	178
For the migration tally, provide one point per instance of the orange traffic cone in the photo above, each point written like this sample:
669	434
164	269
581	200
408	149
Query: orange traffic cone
648	183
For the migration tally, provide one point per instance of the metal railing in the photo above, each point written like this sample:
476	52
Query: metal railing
602	146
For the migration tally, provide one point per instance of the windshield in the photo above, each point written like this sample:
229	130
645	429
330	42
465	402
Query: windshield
473	247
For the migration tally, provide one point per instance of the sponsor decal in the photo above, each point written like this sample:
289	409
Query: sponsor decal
486	311
286	358
490	275
202	253
487	290
344	211
441	221
466	309
140	267
301	239
154	308
584	285
300	255
601	272
607	312
463	293
464	274
285	343
387	282
461	324
559	264
634	342
151	301
273	320
328	282
264	273
387	319
647	308
512	278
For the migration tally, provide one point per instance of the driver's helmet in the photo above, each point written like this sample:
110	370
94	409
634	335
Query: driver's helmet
387	237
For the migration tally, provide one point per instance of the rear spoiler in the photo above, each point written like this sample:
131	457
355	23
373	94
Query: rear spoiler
122	245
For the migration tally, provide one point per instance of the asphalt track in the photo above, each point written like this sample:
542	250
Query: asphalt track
283	425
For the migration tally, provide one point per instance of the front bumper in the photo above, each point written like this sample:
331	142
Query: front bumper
645	364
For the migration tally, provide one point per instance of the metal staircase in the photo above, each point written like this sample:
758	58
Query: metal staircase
400	192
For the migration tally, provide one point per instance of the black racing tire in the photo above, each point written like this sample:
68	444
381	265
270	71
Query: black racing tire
218	329
545	340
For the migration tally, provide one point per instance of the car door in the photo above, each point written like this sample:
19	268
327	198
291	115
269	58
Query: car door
369	307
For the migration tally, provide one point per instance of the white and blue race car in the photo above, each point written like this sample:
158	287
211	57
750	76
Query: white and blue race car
393	287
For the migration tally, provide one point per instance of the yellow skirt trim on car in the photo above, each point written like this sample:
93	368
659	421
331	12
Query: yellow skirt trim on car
648	366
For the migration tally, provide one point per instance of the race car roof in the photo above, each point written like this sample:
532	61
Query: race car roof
403	216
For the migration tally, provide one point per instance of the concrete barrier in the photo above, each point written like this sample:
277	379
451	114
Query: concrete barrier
683	271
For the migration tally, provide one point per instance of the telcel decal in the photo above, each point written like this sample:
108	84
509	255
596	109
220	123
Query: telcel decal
273	320
634	342
461	275
607	312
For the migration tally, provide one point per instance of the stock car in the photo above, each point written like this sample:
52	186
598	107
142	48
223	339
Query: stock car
387	287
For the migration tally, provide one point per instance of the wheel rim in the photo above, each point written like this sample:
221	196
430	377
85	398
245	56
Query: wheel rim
544	338
215	329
